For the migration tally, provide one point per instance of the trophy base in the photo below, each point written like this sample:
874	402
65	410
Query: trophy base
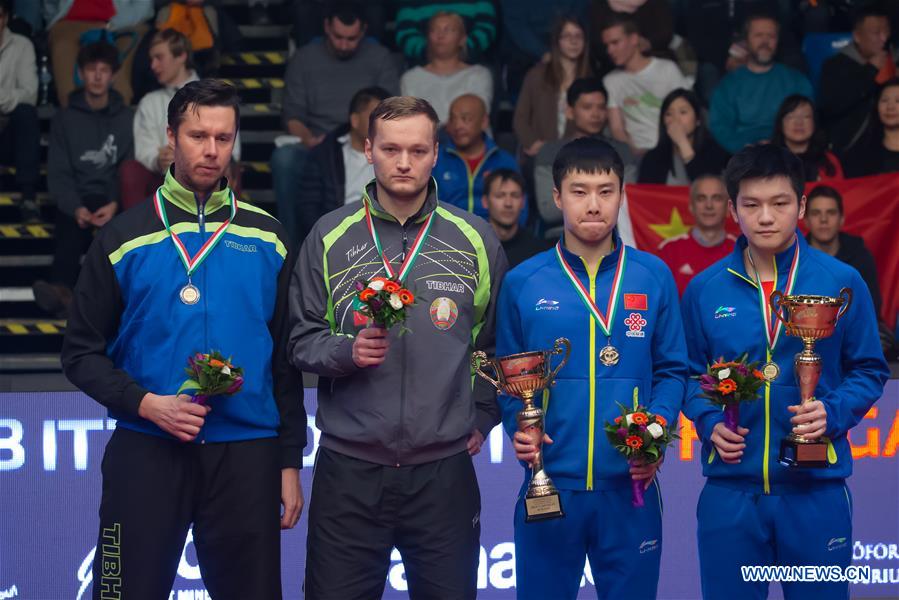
541	508
803	455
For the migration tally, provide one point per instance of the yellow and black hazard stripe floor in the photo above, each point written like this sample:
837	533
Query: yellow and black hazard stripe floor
254	58
17	231
32	327
256	83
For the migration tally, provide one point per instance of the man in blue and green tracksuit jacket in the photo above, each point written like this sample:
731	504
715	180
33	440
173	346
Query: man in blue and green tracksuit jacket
637	300
137	315
754	510
468	156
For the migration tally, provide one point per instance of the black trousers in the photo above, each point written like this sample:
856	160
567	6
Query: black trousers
360	510
154	488
20	144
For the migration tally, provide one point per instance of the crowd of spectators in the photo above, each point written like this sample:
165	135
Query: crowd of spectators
675	85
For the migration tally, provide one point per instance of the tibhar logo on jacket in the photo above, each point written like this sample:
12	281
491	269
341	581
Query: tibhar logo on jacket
106	155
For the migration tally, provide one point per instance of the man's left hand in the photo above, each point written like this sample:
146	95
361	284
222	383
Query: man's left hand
811	419
291	497
646	472
104	214
474	442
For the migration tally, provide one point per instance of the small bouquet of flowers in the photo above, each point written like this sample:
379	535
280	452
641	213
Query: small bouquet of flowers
211	375
384	301
727	384
640	436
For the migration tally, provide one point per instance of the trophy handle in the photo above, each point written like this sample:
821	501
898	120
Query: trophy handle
774	300
557	349
478	359
848	293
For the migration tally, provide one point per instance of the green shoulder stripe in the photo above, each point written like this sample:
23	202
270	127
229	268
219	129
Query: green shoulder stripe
148	240
482	292
328	241
254	233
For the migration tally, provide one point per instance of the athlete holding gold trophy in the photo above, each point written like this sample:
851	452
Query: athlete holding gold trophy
755	509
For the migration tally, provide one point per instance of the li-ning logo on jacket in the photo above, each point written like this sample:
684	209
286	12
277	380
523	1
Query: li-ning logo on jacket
648	546
544	304
106	155
725	312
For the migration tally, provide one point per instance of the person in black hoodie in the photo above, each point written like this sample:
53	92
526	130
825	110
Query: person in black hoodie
337	171
685	150
824	219
89	139
851	79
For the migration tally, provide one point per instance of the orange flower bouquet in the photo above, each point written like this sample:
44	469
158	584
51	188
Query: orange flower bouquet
384	301
211	375
641	437
728	383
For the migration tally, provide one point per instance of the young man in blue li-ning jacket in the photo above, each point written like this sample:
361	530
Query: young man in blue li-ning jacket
618	307
753	510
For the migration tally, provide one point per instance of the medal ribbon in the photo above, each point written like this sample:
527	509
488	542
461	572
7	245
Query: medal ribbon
604	323
772	332
191	264
411	256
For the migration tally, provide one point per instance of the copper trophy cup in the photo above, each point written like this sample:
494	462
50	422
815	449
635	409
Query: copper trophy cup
811	318
522	376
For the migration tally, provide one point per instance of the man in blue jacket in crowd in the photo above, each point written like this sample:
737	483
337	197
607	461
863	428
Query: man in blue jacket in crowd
619	308
754	510
468	156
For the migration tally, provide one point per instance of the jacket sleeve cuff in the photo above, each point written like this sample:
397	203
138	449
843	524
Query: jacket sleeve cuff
484	422
706	423
291	456
131	399
343	355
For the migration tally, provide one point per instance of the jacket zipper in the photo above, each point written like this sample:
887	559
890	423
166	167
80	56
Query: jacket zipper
592	370
201	221
403	357
472	175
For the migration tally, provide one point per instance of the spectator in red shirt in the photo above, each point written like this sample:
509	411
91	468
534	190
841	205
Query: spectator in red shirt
796	127
707	241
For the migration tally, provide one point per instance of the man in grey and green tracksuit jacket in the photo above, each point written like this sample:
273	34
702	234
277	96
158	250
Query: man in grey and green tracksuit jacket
390	432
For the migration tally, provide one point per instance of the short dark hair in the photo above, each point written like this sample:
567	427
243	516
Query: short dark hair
757	16
502	175
868	11
6	7
763	161
585	85
345	11
205	92
623	20
824	191
587	155
98	52
398	107
363	97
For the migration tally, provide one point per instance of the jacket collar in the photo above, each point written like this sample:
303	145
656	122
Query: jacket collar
783	260
608	262
188	201
370	195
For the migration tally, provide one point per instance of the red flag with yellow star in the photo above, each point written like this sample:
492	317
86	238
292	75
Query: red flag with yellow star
870	204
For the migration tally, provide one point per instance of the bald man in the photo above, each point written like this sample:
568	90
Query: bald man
465	160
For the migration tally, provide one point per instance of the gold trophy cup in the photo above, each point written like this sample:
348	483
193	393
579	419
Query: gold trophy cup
811	318
522	376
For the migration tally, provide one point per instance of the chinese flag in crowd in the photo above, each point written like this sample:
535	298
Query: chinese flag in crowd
871	206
